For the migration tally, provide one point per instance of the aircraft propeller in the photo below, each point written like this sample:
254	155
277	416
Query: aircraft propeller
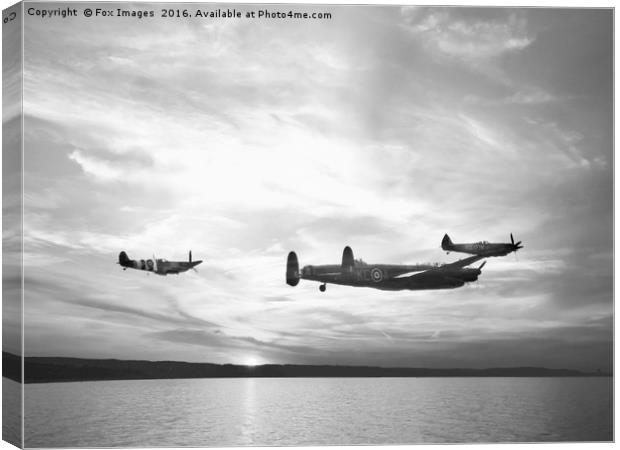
516	246
480	271
190	260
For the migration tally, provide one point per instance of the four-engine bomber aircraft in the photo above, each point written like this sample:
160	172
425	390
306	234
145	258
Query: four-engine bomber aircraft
387	277
483	248
158	266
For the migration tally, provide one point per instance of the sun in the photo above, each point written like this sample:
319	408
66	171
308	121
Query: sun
251	361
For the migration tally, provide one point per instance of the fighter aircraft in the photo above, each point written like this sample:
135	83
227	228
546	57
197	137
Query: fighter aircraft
389	277
483	248
158	266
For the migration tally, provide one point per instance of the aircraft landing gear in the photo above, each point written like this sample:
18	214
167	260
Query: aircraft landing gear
322	287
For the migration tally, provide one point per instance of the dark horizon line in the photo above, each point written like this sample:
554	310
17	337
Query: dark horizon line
43	369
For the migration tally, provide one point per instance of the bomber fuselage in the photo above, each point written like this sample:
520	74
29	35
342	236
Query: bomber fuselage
389	276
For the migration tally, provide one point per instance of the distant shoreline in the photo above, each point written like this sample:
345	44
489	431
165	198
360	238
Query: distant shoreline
57	369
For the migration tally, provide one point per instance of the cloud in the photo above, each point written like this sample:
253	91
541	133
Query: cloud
193	337
182	319
528	97
96	167
236	348
226	139
470	40
522	96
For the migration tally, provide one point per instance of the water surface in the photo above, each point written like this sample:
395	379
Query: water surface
317	411
11	411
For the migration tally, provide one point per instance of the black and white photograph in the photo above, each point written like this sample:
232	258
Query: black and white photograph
289	224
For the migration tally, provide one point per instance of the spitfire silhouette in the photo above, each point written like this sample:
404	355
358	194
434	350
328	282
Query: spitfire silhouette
389	277
483	248
157	266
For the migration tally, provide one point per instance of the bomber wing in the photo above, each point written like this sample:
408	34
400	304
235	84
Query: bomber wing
460	263
437	271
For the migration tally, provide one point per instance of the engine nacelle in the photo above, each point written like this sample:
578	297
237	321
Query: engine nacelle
453	283
469	274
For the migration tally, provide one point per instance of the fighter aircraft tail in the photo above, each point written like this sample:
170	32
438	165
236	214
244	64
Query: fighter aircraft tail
446	243
292	269
123	259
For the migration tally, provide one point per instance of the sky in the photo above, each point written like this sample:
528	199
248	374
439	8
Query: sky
382	128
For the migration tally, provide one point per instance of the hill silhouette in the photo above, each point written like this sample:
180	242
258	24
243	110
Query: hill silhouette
56	369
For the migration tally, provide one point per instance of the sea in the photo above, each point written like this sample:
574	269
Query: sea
317	411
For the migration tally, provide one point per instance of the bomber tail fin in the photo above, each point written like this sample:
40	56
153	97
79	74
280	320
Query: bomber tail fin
347	260
292	269
446	243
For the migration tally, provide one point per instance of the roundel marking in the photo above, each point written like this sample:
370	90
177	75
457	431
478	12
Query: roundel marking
376	275
149	263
